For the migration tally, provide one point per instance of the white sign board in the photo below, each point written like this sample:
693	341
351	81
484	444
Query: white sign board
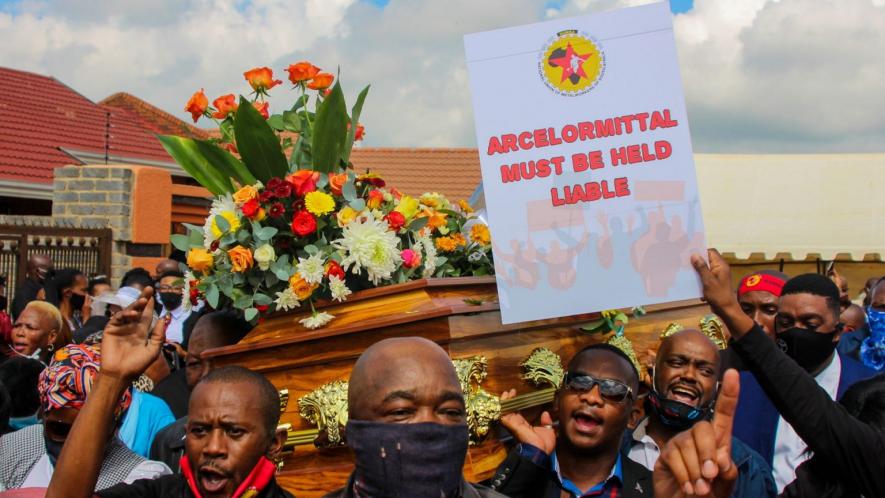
586	163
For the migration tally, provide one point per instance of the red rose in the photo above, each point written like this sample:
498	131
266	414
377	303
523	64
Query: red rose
214	245
395	220
277	209
333	269
251	208
266	195
304	224
283	190
261	307
225	105
262	108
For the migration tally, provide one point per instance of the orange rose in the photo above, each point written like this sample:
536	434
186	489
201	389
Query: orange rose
240	258
436	219
199	259
336	182
197	105
262	108
301	72
360	133
245	194
224	105
321	81
305	181
376	198
261	79
300	287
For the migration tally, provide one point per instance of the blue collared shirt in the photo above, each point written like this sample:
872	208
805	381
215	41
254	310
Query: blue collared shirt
608	488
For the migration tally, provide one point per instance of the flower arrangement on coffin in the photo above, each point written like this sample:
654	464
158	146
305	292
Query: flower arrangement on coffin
292	222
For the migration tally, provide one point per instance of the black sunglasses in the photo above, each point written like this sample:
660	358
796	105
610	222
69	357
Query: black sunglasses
610	389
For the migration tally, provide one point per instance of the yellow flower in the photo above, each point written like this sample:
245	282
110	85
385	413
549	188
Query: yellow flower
434	200
408	206
199	259
345	215
301	287
435	219
240	258
232	220
450	243
465	207
319	203
479	233
245	194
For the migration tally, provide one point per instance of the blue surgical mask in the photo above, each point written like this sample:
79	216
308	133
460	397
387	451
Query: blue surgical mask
16	423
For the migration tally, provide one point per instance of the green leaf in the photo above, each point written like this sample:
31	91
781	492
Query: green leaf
222	223
195	238
291	121
190	156
249	314
358	204
258	145
348	190
262	300
329	132
300	102
243	302
226	163
212	296
311	249
418	224
265	233
276	122
181	242
354	121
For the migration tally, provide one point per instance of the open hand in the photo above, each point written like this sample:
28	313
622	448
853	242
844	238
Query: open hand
128	346
697	462
716	279
543	437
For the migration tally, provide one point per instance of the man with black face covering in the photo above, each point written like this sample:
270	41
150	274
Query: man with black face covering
685	379
807	329
169	287
407	424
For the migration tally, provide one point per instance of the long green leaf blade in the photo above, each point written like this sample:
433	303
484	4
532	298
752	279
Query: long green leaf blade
188	155
226	162
258	144
354	122
329	132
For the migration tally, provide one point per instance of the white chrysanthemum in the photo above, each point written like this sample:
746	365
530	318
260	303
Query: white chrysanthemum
287	300
339	289
224	206
369	244
312	268
316	320
429	255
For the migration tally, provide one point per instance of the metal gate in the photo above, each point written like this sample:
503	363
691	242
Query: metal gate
88	250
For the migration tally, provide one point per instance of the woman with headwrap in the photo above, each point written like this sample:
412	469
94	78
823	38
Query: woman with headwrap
30	454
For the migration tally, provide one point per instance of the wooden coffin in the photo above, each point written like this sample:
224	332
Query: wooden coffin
460	314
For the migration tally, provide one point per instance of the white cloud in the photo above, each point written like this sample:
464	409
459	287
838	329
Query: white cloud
760	75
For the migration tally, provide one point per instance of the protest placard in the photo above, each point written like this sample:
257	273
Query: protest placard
586	163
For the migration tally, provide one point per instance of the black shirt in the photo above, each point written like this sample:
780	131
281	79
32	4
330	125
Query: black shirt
854	451
26	293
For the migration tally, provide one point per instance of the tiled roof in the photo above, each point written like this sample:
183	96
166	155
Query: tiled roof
153	118
39	114
453	172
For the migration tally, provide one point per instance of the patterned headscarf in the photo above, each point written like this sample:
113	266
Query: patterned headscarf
68	379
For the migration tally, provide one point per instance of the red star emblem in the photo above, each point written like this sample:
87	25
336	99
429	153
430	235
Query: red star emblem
571	63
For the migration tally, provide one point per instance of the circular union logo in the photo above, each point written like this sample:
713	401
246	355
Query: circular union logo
753	281
571	63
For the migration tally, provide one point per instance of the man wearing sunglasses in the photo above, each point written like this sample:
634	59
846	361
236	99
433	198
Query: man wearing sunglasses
582	457
685	378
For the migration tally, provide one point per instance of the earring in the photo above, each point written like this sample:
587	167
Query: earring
50	348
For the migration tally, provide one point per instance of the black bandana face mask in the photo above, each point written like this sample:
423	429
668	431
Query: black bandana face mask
806	347
171	300
407	460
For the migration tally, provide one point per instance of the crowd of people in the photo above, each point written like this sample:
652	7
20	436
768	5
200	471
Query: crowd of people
104	391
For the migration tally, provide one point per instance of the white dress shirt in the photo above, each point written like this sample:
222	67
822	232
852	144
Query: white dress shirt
644	449
789	450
